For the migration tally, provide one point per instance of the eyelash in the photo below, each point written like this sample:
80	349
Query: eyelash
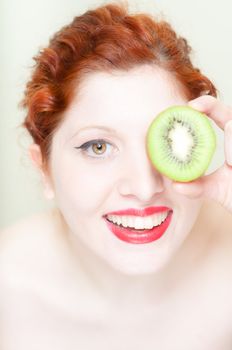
84	147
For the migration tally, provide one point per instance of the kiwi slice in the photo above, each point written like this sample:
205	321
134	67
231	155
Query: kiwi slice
181	143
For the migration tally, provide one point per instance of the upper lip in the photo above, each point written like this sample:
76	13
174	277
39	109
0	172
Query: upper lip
140	212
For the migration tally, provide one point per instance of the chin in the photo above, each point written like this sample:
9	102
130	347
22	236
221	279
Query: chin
137	268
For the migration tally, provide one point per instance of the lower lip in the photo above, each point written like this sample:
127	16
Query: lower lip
140	237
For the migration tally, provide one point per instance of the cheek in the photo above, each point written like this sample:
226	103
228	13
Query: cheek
190	211
81	188
187	210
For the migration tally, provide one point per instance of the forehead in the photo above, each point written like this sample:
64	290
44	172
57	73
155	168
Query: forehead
122	95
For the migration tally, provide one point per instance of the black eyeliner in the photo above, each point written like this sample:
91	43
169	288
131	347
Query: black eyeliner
90	143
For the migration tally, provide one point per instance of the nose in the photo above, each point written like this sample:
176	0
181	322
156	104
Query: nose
139	179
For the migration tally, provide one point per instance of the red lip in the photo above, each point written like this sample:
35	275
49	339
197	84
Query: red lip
140	212
139	236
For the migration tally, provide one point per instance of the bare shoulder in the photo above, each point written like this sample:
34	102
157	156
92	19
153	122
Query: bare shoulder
36	223
25	232
33	289
29	245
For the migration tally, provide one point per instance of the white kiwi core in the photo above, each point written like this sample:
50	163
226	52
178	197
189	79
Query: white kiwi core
181	141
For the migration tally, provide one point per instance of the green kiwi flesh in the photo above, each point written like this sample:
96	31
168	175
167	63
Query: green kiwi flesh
180	143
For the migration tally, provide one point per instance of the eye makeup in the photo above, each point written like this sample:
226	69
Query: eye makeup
95	148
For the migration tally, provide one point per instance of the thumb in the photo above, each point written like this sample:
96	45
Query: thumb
216	186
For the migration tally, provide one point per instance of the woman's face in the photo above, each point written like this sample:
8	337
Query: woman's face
112	173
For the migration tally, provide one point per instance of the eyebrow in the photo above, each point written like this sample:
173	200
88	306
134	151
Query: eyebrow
99	127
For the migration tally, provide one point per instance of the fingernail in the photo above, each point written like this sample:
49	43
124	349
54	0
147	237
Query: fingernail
194	104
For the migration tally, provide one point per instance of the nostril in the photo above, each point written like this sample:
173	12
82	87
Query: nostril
124	188
144	188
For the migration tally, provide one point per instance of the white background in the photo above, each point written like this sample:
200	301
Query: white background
25	27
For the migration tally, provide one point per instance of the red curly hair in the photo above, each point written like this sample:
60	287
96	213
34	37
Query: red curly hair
102	39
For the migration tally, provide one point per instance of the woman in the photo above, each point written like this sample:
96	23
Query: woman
67	280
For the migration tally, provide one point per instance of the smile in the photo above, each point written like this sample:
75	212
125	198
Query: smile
142	228
137	222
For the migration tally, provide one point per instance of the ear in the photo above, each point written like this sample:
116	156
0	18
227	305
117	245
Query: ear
36	156
37	159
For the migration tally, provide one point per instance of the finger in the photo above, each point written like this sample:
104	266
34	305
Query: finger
228	142
192	189
216	186
214	109
202	187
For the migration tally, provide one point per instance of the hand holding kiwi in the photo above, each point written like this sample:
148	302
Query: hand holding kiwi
216	186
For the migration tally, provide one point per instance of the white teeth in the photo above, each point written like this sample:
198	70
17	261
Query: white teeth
124	222
149	223
118	220
138	222
130	221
